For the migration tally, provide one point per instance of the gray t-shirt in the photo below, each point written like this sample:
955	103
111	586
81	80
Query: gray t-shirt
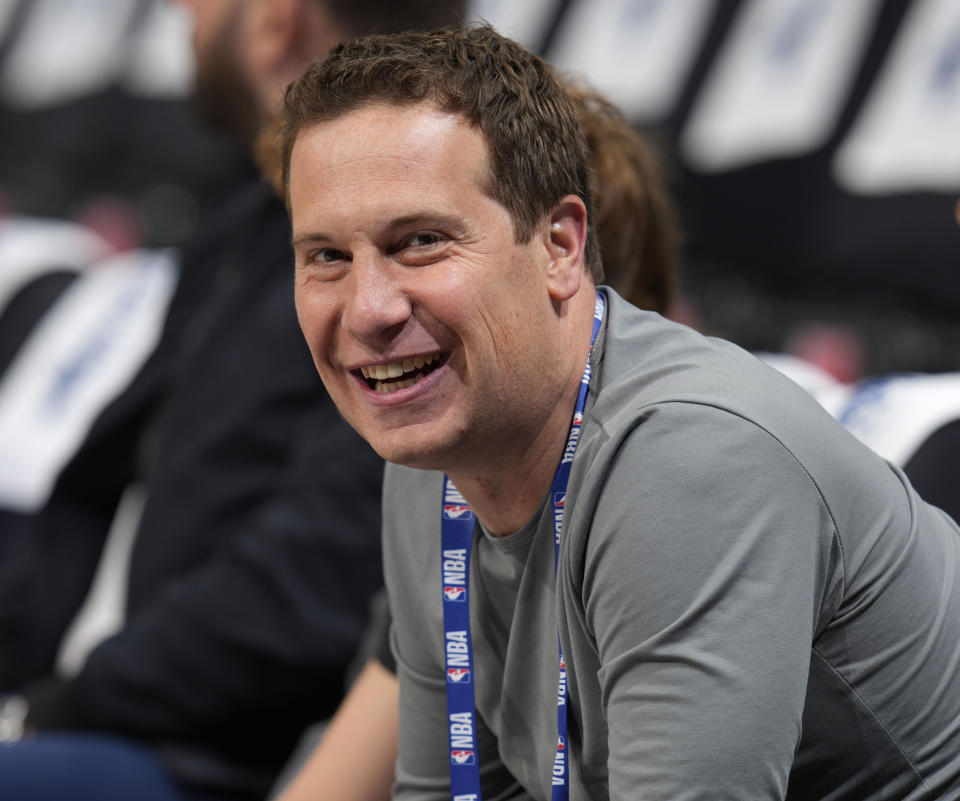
751	603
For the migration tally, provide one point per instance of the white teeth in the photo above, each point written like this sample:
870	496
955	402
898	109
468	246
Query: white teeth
381	372
377	372
393	386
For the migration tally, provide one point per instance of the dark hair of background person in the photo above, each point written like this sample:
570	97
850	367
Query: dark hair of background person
633	214
536	145
226	99
363	17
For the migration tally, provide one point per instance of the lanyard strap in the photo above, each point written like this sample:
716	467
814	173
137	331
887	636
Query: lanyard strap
456	540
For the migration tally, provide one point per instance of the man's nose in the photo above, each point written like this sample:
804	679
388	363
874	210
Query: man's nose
376	307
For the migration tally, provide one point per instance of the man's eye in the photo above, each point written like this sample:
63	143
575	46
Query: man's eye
422	239
327	255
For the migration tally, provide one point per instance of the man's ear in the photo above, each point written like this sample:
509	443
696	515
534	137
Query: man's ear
566	239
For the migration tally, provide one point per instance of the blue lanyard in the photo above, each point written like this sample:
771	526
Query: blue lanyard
456	540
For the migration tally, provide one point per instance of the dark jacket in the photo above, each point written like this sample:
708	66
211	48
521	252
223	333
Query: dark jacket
258	547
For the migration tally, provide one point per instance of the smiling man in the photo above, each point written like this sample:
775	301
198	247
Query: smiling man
748	603
434	347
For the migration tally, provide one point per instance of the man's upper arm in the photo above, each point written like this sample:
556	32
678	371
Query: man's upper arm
702	584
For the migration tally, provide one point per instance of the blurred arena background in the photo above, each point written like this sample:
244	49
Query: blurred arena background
813	148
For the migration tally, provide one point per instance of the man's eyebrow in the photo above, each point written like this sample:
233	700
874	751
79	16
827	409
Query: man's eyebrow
428	219
308	236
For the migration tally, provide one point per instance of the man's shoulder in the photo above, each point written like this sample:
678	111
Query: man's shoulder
669	390
649	361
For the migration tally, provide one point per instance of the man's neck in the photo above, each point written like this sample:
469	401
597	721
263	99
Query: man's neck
505	498
509	489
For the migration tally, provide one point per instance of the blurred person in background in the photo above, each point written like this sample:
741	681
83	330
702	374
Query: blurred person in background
188	598
103	170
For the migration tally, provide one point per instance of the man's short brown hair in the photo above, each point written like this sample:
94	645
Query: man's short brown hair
536	148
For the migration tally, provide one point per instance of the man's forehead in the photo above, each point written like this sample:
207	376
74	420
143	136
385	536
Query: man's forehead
382	163
381	124
391	139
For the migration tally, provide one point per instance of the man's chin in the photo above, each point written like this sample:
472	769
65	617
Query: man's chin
412	450
418	459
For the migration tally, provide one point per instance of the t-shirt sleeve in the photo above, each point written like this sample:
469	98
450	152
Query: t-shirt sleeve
703	576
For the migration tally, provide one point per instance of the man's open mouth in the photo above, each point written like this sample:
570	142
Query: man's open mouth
399	375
